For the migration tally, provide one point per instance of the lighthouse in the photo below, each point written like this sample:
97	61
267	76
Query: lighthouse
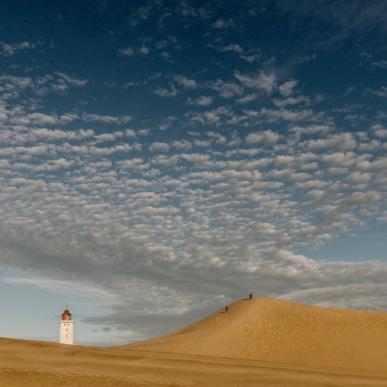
66	332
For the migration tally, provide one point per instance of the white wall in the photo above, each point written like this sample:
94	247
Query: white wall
66	332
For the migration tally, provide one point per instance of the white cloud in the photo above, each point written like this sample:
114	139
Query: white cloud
261	81
251	58
363	197
225	89
247	98
144	132
203	100
73	81
130	133
263	136
221	24
182	144
287	88
232	47
144	50
159	147
185	82
341	141
107	119
291	101
42	119
379	130
310	129
381	92
9	49
166	92
127	51
13	86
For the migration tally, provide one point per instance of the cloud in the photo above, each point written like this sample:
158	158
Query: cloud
287	88
360	20
159	147
128	51
59	83
144	50
265	136
381	92
310	129
182	144
72	81
166	56
282	114
42	119
141	13
232	47
223	24
379	130
225	89
362	198
57	286
107	119
251	58
143	132
203	100
261	81
291	101
166	92
10	49
353	295
342	141
247	98
185	82
380	64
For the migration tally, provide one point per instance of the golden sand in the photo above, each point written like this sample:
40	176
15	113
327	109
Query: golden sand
262	342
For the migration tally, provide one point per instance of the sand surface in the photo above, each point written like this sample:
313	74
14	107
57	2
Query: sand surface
263	342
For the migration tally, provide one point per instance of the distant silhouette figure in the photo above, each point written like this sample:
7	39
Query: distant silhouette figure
227	308
251	296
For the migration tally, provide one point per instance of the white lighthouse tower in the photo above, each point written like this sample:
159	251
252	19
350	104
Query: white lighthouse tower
66	331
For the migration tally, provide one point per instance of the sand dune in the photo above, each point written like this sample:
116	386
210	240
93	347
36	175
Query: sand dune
287	332
263	342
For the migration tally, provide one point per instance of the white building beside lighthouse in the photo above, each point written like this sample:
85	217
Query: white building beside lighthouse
66	330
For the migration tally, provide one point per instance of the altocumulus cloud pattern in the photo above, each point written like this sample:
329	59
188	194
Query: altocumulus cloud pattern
178	154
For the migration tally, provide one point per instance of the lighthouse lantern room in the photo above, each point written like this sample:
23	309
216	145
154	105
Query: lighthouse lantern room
66	331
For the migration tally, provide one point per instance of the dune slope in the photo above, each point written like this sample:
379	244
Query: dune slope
285	332
38	364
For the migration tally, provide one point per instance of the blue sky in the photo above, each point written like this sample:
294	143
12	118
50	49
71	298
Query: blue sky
159	159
